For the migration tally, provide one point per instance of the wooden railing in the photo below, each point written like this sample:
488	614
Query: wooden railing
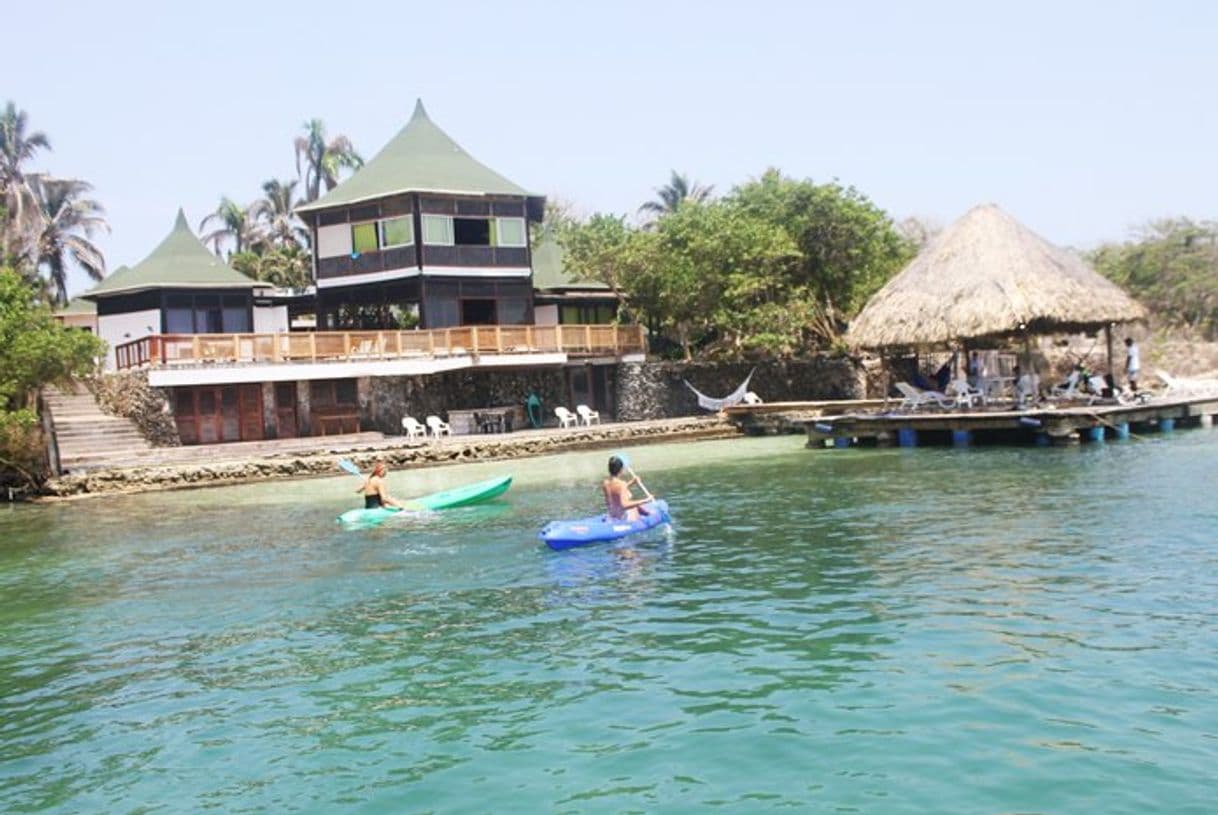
341	346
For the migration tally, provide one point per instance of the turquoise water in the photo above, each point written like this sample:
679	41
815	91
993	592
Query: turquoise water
885	631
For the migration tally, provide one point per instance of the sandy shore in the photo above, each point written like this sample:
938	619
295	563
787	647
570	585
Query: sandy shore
218	466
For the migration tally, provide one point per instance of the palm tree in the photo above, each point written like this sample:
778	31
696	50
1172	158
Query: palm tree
678	190
68	220
274	212
17	147
319	161
233	223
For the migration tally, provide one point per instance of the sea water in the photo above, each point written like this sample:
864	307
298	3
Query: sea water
875	631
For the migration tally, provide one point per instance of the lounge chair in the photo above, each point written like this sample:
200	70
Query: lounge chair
1027	390
588	415
1068	389
914	398
413	429
565	417
751	398
438	427
965	394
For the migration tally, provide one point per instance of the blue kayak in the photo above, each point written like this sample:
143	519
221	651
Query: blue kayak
600	528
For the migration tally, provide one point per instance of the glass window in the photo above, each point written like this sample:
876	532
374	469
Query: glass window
397	232
179	321
472	232
510	231
512	310
438	230
363	238
236	320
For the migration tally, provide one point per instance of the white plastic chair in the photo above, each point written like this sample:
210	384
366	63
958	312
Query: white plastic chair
565	417
588	415
413	429
966	395
1068	389
751	398
914	398
438	427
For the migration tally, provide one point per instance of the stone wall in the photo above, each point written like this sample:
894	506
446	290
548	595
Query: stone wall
392	397
129	395
654	390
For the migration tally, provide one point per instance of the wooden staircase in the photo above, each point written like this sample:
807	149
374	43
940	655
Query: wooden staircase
89	438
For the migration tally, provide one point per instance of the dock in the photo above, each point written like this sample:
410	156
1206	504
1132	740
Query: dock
876	423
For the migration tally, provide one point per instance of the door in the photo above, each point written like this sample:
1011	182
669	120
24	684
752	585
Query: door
249	399
285	410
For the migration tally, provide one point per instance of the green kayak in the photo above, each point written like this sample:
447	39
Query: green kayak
446	499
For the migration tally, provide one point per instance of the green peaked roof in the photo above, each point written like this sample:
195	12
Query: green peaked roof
549	270
77	306
180	261
420	158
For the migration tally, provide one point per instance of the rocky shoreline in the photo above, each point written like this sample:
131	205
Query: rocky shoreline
395	451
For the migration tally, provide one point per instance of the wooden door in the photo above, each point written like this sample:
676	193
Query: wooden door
249	399
285	410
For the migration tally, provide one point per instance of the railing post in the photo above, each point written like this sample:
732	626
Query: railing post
196	348
588	337
312	346
347	344
236	348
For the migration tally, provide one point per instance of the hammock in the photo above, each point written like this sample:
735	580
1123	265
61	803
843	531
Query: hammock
734	398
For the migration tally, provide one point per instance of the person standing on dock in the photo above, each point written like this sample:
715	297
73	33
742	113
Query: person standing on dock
1133	363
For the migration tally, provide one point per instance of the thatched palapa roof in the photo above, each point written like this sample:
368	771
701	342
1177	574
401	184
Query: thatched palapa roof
989	276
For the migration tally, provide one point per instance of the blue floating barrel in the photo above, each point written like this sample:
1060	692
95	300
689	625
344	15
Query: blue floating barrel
1121	430
1029	421
907	437
962	438
1095	433
1167	425
841	442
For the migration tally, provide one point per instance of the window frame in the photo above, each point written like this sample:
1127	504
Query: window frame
385	244
524	232
376	235
447	220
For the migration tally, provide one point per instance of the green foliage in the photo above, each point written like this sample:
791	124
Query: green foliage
285	267
35	350
771	269
850	246
1172	268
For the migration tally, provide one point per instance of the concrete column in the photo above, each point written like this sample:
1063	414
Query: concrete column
304	416
363	396
270	422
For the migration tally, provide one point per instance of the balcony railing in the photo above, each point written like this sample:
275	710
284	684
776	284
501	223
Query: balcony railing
345	346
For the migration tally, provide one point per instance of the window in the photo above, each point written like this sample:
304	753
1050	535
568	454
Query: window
510	232
438	230
477	312
471	232
397	232
363	238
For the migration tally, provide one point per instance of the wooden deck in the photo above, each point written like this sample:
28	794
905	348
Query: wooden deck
843	424
159	350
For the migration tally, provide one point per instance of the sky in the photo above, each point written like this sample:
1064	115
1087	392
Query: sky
1082	119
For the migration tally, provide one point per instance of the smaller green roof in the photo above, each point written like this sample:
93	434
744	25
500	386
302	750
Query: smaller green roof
180	261
549	273
78	307
420	158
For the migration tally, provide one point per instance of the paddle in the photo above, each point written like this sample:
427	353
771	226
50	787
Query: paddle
626	465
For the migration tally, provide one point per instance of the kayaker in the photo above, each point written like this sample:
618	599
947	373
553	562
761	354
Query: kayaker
620	505
376	495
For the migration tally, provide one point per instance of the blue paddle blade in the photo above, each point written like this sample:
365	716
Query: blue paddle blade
349	467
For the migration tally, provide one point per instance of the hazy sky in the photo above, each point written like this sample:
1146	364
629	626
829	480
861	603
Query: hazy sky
1082	119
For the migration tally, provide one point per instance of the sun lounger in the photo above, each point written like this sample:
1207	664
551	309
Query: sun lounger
915	399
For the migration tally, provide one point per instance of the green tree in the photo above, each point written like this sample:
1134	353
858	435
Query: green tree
320	161
285	267
35	350
1172	267
274	212
68	221
234	224
606	249
850	246
672	195
18	147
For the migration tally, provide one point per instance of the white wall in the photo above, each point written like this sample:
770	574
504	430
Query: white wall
545	315
270	319
117	329
334	240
